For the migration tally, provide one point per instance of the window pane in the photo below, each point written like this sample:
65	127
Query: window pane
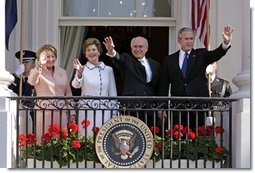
84	8
117	8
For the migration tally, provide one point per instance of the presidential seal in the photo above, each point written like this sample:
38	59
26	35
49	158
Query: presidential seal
124	142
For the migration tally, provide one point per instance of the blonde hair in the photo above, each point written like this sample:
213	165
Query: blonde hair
46	47
91	41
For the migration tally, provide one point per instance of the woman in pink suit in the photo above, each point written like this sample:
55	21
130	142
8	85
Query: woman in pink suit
49	80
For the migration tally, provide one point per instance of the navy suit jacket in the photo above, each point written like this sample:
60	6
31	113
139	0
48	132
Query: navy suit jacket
27	89
195	84
134	76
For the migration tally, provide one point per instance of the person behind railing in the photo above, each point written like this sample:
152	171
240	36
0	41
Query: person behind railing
219	86
185	69
22	71
95	79
49	80
139	73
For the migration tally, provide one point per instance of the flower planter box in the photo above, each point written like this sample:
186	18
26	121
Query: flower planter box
47	164
175	164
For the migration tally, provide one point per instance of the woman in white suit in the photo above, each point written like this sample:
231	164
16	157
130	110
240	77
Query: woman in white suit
95	79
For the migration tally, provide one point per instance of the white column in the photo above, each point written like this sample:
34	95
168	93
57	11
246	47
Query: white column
241	131
242	80
5	79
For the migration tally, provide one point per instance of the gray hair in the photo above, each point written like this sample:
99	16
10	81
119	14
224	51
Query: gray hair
145	42
184	29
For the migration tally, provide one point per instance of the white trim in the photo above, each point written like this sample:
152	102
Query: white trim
122	21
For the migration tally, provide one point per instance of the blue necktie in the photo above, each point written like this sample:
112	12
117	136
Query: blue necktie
184	64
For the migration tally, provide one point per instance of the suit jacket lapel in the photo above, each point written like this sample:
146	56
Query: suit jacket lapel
140	71
153	67
176	64
191	63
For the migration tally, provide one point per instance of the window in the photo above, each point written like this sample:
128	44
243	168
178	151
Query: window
121	19
117	8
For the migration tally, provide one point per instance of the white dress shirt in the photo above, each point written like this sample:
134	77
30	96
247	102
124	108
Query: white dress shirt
147	66
181	57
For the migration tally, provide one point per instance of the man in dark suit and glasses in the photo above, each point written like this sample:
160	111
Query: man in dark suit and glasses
140	74
193	83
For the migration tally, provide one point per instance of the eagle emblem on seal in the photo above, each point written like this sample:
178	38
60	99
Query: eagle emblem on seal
124	141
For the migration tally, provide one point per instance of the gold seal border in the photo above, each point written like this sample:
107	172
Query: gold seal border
120	120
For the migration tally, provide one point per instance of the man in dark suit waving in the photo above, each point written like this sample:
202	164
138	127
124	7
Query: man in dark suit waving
185	69
140	74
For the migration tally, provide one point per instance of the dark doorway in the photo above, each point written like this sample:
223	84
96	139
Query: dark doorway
122	35
157	38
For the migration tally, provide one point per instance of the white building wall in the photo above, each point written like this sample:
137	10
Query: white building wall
233	15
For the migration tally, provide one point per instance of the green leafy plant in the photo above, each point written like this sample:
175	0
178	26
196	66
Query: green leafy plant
185	143
61	146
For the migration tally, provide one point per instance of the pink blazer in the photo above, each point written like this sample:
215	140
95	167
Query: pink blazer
47	84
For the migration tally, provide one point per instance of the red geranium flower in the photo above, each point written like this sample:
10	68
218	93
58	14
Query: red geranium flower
168	132
76	144
22	140
31	138
192	135
47	136
209	130
219	129
204	131
177	127
64	133
95	130
219	149
54	129
177	134
85	123
73	127
159	145
156	129
186	130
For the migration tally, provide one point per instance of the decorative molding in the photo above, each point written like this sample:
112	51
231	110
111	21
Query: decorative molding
122	21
